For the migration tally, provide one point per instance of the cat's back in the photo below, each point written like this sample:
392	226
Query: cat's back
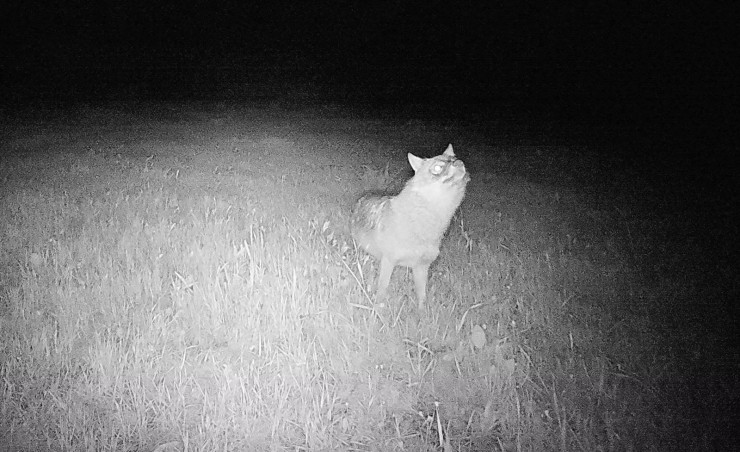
367	217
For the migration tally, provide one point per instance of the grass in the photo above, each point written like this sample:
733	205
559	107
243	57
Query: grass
188	283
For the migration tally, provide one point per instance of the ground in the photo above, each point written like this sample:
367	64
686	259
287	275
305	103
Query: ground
181	277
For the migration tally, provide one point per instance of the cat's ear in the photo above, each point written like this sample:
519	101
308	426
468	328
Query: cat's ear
449	152
415	162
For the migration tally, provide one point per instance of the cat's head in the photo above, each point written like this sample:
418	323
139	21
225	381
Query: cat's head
444	169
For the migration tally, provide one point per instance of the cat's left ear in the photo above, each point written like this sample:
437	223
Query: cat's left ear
415	162
449	151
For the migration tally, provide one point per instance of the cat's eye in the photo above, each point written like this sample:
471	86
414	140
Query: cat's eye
438	168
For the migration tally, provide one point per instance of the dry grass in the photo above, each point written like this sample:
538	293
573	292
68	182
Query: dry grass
182	284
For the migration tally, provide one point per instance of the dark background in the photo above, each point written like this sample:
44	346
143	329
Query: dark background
650	74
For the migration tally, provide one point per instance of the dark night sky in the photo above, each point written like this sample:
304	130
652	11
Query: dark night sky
665	63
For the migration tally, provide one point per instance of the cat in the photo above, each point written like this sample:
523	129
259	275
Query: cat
406	229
